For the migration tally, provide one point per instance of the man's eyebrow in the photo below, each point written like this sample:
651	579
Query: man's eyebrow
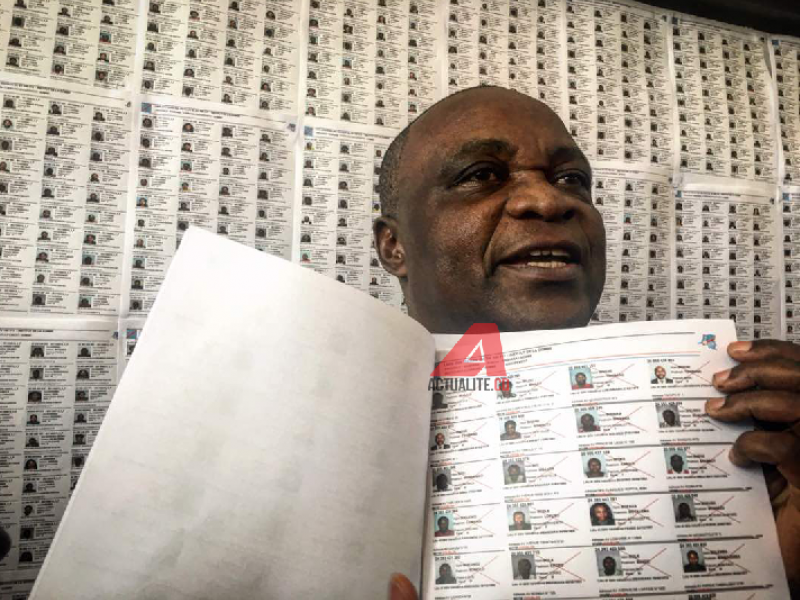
565	154
473	147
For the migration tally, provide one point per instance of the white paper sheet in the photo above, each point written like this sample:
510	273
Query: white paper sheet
512	483
268	440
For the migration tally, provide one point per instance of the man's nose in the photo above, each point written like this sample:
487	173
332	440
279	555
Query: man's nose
534	197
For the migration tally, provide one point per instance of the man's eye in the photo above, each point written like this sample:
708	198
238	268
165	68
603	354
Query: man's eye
572	179
482	175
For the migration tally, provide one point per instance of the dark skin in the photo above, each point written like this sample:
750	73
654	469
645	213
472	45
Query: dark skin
486	178
447	242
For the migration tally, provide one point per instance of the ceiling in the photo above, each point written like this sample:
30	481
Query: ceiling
773	16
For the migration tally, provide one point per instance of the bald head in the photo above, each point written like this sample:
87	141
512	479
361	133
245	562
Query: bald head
487	216
390	183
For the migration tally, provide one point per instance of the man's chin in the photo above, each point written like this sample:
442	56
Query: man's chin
544	315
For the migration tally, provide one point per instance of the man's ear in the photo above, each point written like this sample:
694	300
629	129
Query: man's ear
389	247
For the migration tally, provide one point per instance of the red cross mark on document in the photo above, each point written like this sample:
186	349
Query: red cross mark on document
538	385
727	562
480	570
624	419
477	521
631	466
696	372
711	462
553	518
557	567
546	426
545	471
721	510
621	373
639	514
645	562
473	435
476	477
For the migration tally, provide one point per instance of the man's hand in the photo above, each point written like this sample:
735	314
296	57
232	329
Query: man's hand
5	543
400	588
765	386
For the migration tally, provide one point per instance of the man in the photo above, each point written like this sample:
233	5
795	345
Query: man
442	483
524	569
487	217
440	445
675	465
661	376
505	392
519	523
438	401
588	424
609	567
693	565
669	417
514	474
443	524
511	432
581	382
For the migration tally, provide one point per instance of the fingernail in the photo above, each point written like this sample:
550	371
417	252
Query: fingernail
715	404
740	347
739	461
395	586
721	377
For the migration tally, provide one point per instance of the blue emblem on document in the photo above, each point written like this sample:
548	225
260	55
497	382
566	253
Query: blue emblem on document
710	340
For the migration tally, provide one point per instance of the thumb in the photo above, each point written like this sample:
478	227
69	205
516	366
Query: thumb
400	588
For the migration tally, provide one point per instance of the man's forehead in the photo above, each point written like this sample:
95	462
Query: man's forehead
488	114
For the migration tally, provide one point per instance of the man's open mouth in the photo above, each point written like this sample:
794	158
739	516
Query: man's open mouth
557	257
544	261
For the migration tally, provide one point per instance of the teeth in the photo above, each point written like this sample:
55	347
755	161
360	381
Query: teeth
551	252
550	264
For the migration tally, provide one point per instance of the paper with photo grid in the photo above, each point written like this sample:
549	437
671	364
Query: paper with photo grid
268	440
597	473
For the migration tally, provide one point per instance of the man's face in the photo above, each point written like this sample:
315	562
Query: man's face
669	417
594	466
513	472
587	422
443	523
439	439
693	558
444	571
495	220
684	510
609	564
580	379
676	462
519	518
661	372
511	428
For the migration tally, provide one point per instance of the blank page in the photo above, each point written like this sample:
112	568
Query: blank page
268	440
